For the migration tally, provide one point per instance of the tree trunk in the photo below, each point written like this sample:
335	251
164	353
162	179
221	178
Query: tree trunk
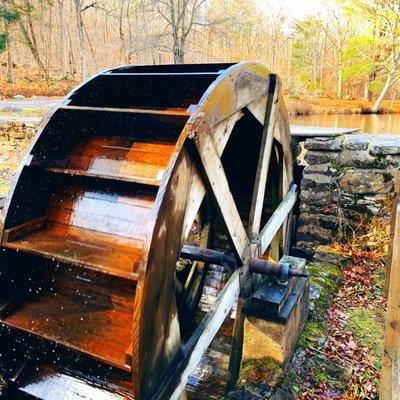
178	50
63	63
339	93
367	91
389	82
81	35
31	46
10	71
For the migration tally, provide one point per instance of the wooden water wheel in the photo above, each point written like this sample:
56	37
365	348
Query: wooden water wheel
135	163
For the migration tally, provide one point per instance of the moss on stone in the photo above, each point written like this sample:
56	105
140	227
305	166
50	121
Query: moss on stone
266	370
291	382
328	278
367	330
313	331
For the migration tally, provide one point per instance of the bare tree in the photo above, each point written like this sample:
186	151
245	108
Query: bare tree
181	16
61	20
26	24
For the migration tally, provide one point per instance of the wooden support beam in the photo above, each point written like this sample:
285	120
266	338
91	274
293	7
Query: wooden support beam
215	174
264	158
392	225
193	351
390	374
273	225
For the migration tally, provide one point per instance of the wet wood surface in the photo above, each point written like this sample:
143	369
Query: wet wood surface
120	158
115	188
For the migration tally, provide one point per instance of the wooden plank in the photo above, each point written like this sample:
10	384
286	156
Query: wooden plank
221	134
84	248
167	111
156	332
264	157
273	225
218	182
84	321
390	374
320	131
392	226
200	340
24	229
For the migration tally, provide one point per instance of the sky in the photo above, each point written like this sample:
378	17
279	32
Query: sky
293	9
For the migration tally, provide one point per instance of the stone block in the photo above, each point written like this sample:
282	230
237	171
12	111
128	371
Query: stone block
359	159
385	145
355	143
393	161
320	157
319	198
323	144
318	182
322	220
366	182
316	168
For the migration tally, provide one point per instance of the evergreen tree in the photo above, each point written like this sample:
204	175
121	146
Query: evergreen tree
7	16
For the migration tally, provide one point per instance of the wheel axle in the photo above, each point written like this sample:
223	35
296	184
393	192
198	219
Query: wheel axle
256	265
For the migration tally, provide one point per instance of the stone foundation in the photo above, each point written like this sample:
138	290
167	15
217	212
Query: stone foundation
347	179
14	129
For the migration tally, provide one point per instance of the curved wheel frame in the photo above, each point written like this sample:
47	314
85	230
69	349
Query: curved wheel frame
196	168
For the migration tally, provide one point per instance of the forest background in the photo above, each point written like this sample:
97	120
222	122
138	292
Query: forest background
348	49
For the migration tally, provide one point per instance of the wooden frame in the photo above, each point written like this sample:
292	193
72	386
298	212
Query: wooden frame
161	214
390	374
392	227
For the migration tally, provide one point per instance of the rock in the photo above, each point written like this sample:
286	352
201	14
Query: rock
358	159
355	143
19	97
318	168
386	145
315	292
318	198
325	221
255	391
366	182
318	182
333	258
281	395
323	144
393	161
319	157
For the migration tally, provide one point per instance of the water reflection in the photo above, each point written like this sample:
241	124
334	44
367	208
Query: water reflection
388	124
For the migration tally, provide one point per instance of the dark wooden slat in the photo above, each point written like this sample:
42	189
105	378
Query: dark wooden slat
118	158
165	111
77	322
87	249
185	74
24	229
49	381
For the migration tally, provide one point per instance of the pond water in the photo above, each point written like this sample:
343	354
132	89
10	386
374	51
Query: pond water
388	124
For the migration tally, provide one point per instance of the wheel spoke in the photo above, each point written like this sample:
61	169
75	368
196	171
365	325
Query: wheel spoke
264	156
219	185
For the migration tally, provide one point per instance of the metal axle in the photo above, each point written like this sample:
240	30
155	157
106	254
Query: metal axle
256	265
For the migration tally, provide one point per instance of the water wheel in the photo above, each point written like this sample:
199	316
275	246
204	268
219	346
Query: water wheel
135	163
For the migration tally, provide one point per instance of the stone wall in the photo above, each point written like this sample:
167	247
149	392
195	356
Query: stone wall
347	179
15	129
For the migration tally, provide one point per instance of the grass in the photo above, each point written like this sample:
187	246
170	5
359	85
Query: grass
265	371
367	330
